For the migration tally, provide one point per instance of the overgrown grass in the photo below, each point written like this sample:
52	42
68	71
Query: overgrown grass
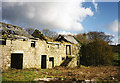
116	59
116	56
21	75
26	74
83	66
57	72
61	73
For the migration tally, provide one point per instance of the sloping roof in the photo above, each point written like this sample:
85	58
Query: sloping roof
70	39
13	30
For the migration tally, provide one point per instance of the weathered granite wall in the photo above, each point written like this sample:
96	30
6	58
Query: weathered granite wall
32	55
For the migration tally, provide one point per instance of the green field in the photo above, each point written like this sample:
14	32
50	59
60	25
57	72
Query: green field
116	59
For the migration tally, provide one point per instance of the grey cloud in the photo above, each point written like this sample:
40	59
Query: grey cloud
53	15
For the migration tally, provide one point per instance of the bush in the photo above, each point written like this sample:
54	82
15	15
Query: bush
96	53
38	34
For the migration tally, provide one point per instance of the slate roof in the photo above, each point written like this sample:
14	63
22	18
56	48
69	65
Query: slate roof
68	38
12	31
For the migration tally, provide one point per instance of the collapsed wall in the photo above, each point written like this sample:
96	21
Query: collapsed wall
23	52
32	55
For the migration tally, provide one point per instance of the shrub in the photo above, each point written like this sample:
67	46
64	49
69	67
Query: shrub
96	53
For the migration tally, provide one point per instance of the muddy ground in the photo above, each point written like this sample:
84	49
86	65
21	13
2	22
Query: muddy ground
83	73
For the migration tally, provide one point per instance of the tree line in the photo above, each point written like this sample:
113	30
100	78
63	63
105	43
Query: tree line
95	49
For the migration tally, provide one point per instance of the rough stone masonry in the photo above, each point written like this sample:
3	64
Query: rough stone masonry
20	51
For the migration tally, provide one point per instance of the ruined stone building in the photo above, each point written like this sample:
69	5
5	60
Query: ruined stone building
21	50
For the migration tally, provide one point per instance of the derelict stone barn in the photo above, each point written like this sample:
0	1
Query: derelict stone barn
21	50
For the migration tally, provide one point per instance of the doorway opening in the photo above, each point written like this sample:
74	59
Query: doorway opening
68	49
43	61
52	59
17	60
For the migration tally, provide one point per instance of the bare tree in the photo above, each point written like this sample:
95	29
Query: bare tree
97	50
93	36
49	33
82	37
97	53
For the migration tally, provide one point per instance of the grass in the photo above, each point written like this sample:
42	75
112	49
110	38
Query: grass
26	74
100	73
83	66
20	75
116	59
116	56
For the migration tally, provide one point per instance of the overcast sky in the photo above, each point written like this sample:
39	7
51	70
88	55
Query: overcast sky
65	17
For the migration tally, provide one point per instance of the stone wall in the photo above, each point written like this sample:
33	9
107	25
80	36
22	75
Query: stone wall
32	55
